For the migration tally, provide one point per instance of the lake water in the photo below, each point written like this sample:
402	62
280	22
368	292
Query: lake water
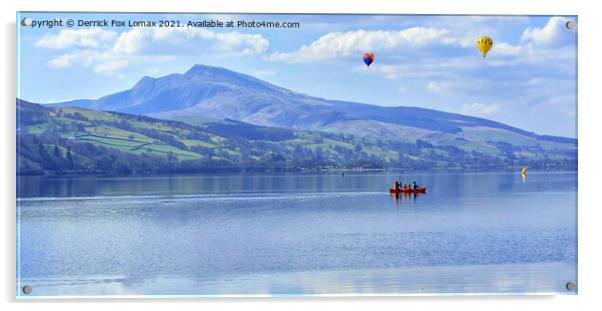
297	234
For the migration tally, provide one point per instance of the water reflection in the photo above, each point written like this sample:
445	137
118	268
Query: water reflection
402	199
239	234
513	278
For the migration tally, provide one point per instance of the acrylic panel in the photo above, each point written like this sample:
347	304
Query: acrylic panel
206	154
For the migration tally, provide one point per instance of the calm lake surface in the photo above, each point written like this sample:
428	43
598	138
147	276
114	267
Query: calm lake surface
297	234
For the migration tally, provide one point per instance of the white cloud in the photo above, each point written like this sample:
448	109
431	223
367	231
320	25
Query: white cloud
437	86
429	67
139	39
503	48
111	66
402	89
62	61
552	45
441	50
526	74
104	62
479	109
85	37
148	45
337	44
554	33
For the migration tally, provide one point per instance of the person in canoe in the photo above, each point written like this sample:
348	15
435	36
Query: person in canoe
396	185
416	186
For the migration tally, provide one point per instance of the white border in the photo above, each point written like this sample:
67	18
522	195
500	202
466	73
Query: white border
589	150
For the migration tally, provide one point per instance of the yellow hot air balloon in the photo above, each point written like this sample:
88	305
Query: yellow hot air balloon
484	43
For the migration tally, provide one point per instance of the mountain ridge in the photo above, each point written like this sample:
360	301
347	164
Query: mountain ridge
220	93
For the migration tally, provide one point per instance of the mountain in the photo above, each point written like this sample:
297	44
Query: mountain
301	130
205	92
55	140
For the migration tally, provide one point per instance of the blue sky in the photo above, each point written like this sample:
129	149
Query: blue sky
527	80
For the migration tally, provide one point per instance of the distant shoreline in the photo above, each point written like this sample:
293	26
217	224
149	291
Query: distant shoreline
341	171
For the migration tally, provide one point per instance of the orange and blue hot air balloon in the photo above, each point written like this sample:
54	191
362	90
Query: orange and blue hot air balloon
368	59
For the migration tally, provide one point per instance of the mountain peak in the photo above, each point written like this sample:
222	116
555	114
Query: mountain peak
208	91
145	82
200	69
236	80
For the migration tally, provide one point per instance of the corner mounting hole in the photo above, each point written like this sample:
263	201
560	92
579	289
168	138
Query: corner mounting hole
27	289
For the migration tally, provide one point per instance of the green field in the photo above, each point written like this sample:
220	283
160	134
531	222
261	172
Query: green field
78	139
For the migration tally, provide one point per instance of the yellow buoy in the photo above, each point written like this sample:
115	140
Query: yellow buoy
524	172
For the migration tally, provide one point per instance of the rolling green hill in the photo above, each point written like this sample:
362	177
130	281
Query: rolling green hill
70	140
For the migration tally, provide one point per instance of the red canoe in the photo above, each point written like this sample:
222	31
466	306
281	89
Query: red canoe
419	190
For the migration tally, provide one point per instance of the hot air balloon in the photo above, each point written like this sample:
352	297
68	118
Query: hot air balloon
484	43
368	59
